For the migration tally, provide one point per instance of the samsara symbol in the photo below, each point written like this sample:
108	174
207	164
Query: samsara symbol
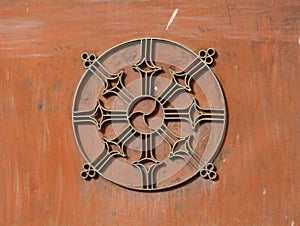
149	114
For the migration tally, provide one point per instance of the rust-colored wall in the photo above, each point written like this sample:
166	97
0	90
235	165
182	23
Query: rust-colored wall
257	65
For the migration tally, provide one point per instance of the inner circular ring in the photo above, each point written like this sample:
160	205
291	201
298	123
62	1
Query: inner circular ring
145	114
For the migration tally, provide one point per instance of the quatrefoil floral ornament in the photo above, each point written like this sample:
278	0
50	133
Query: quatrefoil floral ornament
149	114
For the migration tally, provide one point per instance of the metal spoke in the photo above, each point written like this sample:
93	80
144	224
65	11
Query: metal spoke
99	116
196	161
118	143
115	86
112	82
171	138
146	54
101	161
194	69
146	67
169	92
188	114
147	175
98	165
87	116
147	154
208	115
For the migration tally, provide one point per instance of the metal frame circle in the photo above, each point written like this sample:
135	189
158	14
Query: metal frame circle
147	57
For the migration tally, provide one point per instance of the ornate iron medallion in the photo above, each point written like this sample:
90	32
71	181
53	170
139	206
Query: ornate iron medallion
149	114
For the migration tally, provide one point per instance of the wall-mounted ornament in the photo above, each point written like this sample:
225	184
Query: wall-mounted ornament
149	114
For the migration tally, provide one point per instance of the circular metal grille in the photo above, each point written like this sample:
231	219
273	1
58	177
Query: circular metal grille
149	114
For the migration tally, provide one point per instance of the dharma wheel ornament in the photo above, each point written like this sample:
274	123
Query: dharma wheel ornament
149	114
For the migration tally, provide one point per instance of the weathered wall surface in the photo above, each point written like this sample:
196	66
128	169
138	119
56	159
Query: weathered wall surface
258	66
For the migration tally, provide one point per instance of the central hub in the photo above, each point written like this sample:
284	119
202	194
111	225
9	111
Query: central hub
145	114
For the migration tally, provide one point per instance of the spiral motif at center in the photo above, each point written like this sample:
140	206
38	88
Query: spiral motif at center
145	114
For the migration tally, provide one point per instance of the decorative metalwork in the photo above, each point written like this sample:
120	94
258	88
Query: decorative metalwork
88	59
147	116
88	172
207	55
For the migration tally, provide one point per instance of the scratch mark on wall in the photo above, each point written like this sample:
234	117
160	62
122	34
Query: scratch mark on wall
172	18
61	192
228	12
27	9
264	190
18	200
33	55
292	222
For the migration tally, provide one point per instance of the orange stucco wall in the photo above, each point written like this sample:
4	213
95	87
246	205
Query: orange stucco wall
257	65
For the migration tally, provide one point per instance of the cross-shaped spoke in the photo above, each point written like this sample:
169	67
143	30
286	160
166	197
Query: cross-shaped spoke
115	86
97	69
194	114
172	89
99	116
196	161
118	143
147	154
207	115
171	138
196	68
147	175
87	116
146	67
182	80
113	83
